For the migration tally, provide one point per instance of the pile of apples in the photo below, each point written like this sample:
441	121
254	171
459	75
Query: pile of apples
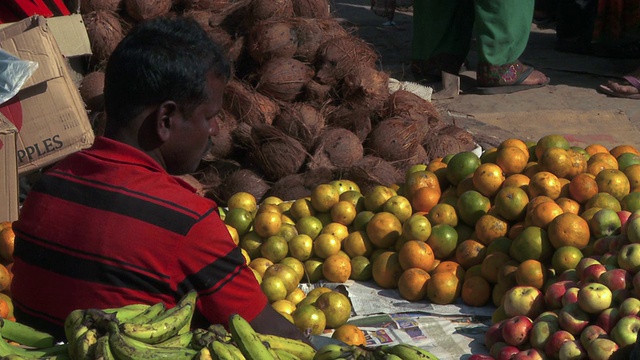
590	312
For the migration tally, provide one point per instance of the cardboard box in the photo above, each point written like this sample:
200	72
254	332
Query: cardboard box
9	188
48	111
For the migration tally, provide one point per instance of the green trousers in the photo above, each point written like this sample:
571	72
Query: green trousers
445	27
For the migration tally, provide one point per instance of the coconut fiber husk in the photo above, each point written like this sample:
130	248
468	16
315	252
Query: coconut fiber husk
88	6
419	156
283	78
142	10
317	93
464	137
276	153
105	31
290	187
243	180
366	86
341	146
222	143
395	139
220	36
438	146
206	5
247	105
407	104
270	39
313	9
341	56
301	121
271	9
312	33
351	116
92	90
371	171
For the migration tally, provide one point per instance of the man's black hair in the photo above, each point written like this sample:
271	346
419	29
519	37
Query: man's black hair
159	60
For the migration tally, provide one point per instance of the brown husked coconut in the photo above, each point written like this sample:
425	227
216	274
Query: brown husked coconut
351	116
236	48
271	9
88	6
248	105
314	9
105	32
202	17
289	188
463	136
438	146
315	177
222	143
341	146
283	78
395	139
320	160
92	90
341	56
244	180
317	93
301	121
276	153
419	156
407	104
270	39
367	86
220	36
242	136
371	171
142	10
207	5
312	33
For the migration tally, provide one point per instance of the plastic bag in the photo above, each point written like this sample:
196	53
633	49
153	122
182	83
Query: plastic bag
14	72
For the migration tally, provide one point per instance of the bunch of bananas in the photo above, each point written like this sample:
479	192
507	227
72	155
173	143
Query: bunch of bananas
19	341
385	352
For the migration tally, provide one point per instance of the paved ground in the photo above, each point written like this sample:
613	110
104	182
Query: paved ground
570	105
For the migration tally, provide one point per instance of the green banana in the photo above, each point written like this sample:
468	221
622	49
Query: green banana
150	313
126	348
170	323
85	345
56	351
73	340
220	332
362	353
202	338
182	340
204	354
235	351
298	348
334	351
409	352
26	335
221	351
103	350
72	321
247	339
284	355
127	312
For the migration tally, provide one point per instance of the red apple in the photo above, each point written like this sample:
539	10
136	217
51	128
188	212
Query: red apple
573	319
515	331
572	350
607	319
569	274
617	242
584	263
623	215
554	292
543	327
601	245
632	227
480	357
556	340
629	306
570	296
496	348
594	297
625	227
591	333
616	279
604	222
625	332
507	352
601	349
609	260
620	295
493	334
529	354
592	273
629	256
635	284
523	300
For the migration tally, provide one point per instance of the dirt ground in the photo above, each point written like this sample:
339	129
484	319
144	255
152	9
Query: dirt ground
569	105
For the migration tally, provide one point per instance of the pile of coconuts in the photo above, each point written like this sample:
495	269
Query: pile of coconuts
307	103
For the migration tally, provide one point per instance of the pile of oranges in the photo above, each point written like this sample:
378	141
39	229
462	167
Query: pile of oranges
460	228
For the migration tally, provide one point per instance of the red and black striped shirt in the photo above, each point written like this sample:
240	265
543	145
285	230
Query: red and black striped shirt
108	226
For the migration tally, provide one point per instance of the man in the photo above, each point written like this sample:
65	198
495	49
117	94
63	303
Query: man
112	225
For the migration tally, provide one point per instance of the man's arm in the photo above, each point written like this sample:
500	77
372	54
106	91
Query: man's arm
271	322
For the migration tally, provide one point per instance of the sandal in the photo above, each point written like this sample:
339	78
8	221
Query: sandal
505	79
631	81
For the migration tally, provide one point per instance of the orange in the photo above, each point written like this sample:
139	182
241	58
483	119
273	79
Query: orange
564	187
531	169
587	214
515	230
544	183
568	230
465	185
469	253
631	202
501	244
443	241
531	273
487	179
424	199
462	165
240	219
515	143
511	203
285	273
603	200
627	159
362	219
274	289
357	243
343	212
416	254
309	225
271	200
556	161
532	243
375	198
268	208
384	229
412	284
565	258
537	201
517	180
491	264
336	268
595	148
471	205
301	208
420	179
512	160
607	158
614	182
489	155
595	167
386	270
324	196
360	268
490	227
476	291
251	243
301	247
338	230
449	266
548	142
274	248
7	242
497	294
350	335
5	309
267	223
399	206
344	185
313	270
579	160
5	278
354	197
582	187
475	270
243	200
295	264
443	288
443	213
326	245
568	205
544	213
507	273
633	174
618	150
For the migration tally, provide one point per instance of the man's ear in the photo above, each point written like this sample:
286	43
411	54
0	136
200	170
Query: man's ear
166	115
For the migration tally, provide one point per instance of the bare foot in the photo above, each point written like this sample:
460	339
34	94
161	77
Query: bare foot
535	78
622	88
